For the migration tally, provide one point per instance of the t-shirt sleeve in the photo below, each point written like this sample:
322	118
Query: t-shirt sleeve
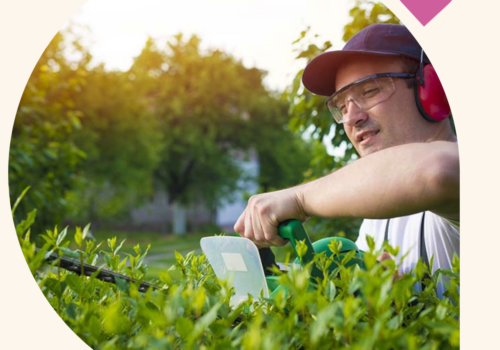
361	241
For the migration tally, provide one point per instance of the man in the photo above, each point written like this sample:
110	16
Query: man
406	182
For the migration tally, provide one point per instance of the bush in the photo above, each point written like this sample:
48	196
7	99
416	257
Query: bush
350	308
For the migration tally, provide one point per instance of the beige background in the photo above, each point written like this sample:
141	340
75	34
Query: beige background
462	42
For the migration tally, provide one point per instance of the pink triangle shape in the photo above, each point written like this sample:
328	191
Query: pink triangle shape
425	10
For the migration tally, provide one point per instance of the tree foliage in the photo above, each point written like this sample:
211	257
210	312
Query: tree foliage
43	153
212	111
122	142
95	143
199	101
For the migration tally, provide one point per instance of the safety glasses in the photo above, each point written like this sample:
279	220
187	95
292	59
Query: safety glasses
364	93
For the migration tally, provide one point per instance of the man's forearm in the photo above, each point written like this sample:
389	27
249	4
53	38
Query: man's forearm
397	181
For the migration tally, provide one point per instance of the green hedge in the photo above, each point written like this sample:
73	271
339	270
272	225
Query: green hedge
351	308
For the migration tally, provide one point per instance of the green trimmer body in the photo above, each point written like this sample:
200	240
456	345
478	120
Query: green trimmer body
294	231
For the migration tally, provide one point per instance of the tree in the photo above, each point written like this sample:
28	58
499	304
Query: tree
212	111
365	13
42	152
284	156
122	142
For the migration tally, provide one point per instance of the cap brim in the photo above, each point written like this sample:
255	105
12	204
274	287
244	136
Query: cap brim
319	75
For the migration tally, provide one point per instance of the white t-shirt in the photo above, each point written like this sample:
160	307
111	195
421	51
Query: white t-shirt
442	239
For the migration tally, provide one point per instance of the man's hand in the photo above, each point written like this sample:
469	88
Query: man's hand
260	220
386	256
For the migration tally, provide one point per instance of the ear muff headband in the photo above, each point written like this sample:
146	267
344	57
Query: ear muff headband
429	94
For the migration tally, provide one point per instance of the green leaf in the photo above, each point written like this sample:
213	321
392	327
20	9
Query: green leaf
143	256
119	247
122	285
331	291
178	257
78	236
112	243
71	253
455	338
137	249
441	312
114	321
75	283
95	327
24	225
107	259
61	236
55	286
19	199
301	249
122	263
204	322
319	327
371	243
85	231
71	310
184	326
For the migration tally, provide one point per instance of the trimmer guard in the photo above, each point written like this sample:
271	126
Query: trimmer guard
236	259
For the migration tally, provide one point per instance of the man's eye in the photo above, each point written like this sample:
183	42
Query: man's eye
371	92
343	108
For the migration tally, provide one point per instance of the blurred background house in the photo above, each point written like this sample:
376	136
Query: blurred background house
160	216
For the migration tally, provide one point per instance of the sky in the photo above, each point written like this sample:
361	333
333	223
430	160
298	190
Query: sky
258	32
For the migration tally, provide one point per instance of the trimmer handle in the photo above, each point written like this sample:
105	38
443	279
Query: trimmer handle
294	231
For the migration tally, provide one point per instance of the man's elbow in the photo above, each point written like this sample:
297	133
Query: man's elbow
443	182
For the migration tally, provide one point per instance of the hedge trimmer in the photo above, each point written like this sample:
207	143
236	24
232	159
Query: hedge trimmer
236	259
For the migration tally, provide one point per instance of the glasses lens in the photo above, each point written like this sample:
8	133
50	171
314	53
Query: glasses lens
365	94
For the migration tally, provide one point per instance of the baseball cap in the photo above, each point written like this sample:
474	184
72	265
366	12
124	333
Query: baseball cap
376	39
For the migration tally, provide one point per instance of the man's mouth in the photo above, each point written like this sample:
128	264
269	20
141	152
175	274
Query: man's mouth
364	136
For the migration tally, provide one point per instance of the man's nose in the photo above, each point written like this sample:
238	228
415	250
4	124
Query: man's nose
355	115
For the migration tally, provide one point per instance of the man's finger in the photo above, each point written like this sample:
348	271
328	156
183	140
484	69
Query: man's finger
271	234
239	226
258	234
248	231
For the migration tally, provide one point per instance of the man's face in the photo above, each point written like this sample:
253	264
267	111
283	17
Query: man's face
392	122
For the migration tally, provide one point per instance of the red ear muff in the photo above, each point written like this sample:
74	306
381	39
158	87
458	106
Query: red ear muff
430	96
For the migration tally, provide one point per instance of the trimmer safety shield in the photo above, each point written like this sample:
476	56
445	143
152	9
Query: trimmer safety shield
236	259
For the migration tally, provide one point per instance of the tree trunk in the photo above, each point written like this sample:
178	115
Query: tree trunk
179	219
